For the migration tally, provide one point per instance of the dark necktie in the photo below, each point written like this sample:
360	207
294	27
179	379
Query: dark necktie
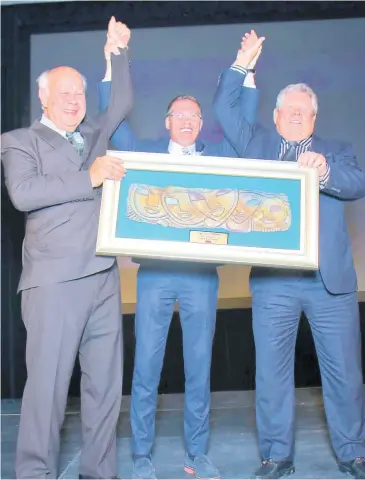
290	155
76	141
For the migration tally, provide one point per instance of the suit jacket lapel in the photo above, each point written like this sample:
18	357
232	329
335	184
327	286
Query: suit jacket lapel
318	146
273	147
163	146
200	146
56	141
88	134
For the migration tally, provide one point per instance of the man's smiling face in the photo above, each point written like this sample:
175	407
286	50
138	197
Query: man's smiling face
295	119
63	99
184	122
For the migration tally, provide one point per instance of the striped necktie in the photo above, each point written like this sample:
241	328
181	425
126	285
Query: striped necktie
76	140
290	155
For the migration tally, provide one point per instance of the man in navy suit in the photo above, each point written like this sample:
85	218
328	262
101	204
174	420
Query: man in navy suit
327	297
160	283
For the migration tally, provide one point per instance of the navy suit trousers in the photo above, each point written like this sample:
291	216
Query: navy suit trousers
278	302
157	292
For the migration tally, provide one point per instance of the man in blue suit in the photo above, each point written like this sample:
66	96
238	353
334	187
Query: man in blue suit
327	297
161	283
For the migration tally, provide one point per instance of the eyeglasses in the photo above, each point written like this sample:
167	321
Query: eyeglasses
183	115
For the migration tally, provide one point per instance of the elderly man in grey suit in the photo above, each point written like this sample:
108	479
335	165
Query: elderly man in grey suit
71	301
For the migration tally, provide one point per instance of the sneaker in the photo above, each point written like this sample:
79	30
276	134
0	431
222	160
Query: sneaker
201	467
143	469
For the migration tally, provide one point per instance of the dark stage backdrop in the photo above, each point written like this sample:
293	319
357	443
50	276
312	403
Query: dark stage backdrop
233	356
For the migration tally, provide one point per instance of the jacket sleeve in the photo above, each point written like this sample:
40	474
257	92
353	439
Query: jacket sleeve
235	108
123	138
30	191
346	180
121	94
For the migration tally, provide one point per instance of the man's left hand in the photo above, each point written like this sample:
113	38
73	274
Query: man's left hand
313	160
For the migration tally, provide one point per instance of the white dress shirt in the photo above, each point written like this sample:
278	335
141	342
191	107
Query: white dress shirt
48	123
176	149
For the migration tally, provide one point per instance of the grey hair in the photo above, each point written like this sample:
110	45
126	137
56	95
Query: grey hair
182	97
298	87
42	80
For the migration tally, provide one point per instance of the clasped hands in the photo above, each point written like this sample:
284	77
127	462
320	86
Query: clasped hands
118	36
251	47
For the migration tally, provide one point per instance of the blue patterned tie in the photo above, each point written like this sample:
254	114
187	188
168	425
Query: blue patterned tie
291	153
185	151
76	140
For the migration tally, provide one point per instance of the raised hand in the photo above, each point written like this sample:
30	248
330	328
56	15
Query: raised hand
118	36
251	47
119	33
250	40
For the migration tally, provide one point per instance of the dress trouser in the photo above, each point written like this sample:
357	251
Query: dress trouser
157	291
334	320
80	316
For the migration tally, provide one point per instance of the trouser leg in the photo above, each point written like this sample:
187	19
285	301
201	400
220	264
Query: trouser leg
101	362
197	295
54	317
276	312
155	302
335	324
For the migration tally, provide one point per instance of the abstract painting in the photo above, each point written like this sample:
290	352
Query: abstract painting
230	209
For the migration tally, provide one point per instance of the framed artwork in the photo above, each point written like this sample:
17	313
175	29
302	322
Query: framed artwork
211	209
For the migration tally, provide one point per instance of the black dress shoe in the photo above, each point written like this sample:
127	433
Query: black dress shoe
356	467
274	469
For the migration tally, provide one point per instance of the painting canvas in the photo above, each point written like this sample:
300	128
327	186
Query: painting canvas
211	209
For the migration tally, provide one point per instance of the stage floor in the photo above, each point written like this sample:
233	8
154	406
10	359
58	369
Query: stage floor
233	437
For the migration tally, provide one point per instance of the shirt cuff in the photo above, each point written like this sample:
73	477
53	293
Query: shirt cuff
237	68
323	181
249	81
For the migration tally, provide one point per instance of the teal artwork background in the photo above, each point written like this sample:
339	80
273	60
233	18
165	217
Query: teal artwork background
289	239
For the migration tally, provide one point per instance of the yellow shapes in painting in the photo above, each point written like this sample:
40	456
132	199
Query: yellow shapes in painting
228	209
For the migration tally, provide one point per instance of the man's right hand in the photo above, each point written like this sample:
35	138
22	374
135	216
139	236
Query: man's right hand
106	167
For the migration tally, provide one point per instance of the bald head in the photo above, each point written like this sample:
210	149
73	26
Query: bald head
62	94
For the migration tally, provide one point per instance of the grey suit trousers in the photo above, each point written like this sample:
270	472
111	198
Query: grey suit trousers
63	319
